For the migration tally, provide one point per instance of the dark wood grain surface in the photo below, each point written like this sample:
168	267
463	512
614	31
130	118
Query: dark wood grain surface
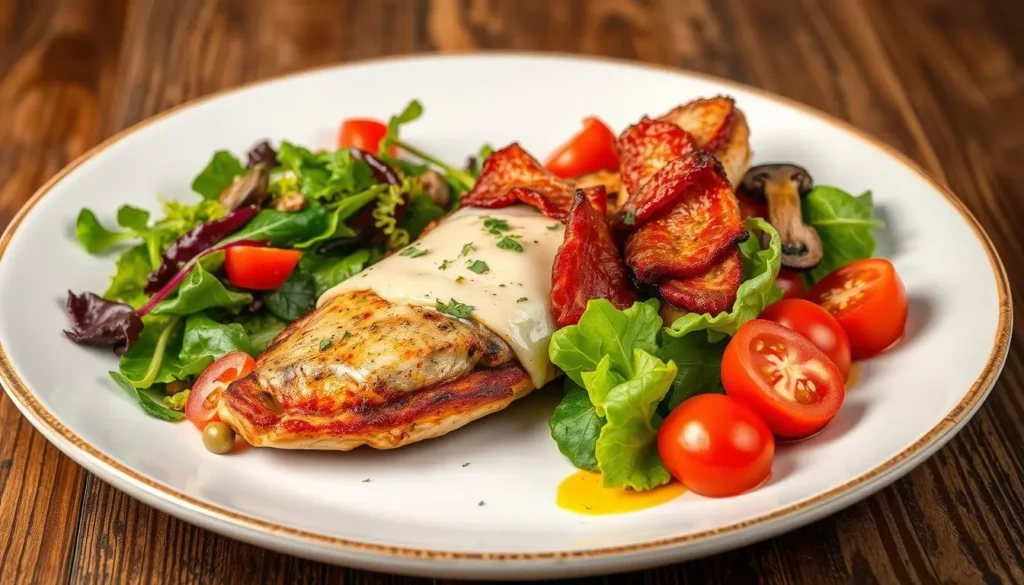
941	80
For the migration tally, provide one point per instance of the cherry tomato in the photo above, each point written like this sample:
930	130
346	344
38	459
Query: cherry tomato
716	446
791	283
591	150
782	376
203	400
817	325
751	207
868	300
259	268
363	133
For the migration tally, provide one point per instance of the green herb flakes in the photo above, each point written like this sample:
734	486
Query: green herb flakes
445	265
495	226
460	280
454	308
325	343
522	299
413	252
629	218
479	267
466	249
507	243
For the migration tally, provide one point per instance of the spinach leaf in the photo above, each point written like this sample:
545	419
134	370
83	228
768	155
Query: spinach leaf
148	404
337	213
699	363
845	225
758	290
218	175
575	426
205	337
261	328
283	228
200	291
91	233
154	357
328	271
420	212
294	298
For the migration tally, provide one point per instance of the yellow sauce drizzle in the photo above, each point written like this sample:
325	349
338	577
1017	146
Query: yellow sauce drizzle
583	493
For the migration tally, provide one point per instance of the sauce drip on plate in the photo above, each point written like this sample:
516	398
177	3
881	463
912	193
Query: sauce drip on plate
583	493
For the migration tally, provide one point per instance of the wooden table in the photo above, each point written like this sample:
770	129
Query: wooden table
941	80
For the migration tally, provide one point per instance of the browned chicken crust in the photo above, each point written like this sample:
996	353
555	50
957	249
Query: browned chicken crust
361	370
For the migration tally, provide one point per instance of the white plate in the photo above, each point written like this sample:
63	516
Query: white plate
419	513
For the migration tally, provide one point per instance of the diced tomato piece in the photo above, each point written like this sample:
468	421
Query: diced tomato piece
589	151
258	268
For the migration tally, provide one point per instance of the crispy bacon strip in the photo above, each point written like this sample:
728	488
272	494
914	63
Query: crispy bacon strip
710	121
511	175
664	188
711	292
648	146
587	266
702	222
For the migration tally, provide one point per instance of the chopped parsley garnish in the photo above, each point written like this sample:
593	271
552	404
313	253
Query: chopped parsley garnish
325	343
522	300
481	503
554	226
507	243
460	280
502	285
445	264
412	252
629	218
466	249
454	308
479	266
465	464
495	226
367	480
346	336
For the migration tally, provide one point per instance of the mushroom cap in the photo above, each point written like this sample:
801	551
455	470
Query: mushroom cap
760	178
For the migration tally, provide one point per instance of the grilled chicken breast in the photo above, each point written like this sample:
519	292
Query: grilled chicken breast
362	370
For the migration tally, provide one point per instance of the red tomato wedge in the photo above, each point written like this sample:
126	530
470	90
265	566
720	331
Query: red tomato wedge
791	383
868	300
716	446
203	400
589	151
258	268
791	283
817	325
364	134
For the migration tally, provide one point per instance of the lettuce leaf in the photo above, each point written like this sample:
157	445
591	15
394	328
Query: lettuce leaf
205	337
611	354
700	366
758	290
627	449
218	174
604	330
148	404
845	225
93	236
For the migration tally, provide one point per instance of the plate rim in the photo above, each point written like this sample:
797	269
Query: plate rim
171	501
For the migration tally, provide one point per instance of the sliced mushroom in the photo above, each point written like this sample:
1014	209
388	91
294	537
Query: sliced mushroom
436	187
783	186
251	189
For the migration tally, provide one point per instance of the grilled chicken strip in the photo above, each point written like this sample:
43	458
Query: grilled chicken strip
362	370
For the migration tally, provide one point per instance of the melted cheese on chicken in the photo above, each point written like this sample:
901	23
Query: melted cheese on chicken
496	261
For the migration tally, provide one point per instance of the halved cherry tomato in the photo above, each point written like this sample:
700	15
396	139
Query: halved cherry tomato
258	268
203	400
782	376
363	133
716	446
751	207
868	300
591	150
817	325
791	283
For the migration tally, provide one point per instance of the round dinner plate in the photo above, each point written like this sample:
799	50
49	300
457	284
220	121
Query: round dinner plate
480	502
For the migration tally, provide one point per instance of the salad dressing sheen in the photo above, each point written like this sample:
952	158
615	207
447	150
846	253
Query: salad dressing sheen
584	493
497	261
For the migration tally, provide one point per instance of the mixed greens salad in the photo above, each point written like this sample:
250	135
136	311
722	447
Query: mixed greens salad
172	306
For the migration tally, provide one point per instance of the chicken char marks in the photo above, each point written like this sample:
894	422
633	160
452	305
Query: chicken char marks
362	370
